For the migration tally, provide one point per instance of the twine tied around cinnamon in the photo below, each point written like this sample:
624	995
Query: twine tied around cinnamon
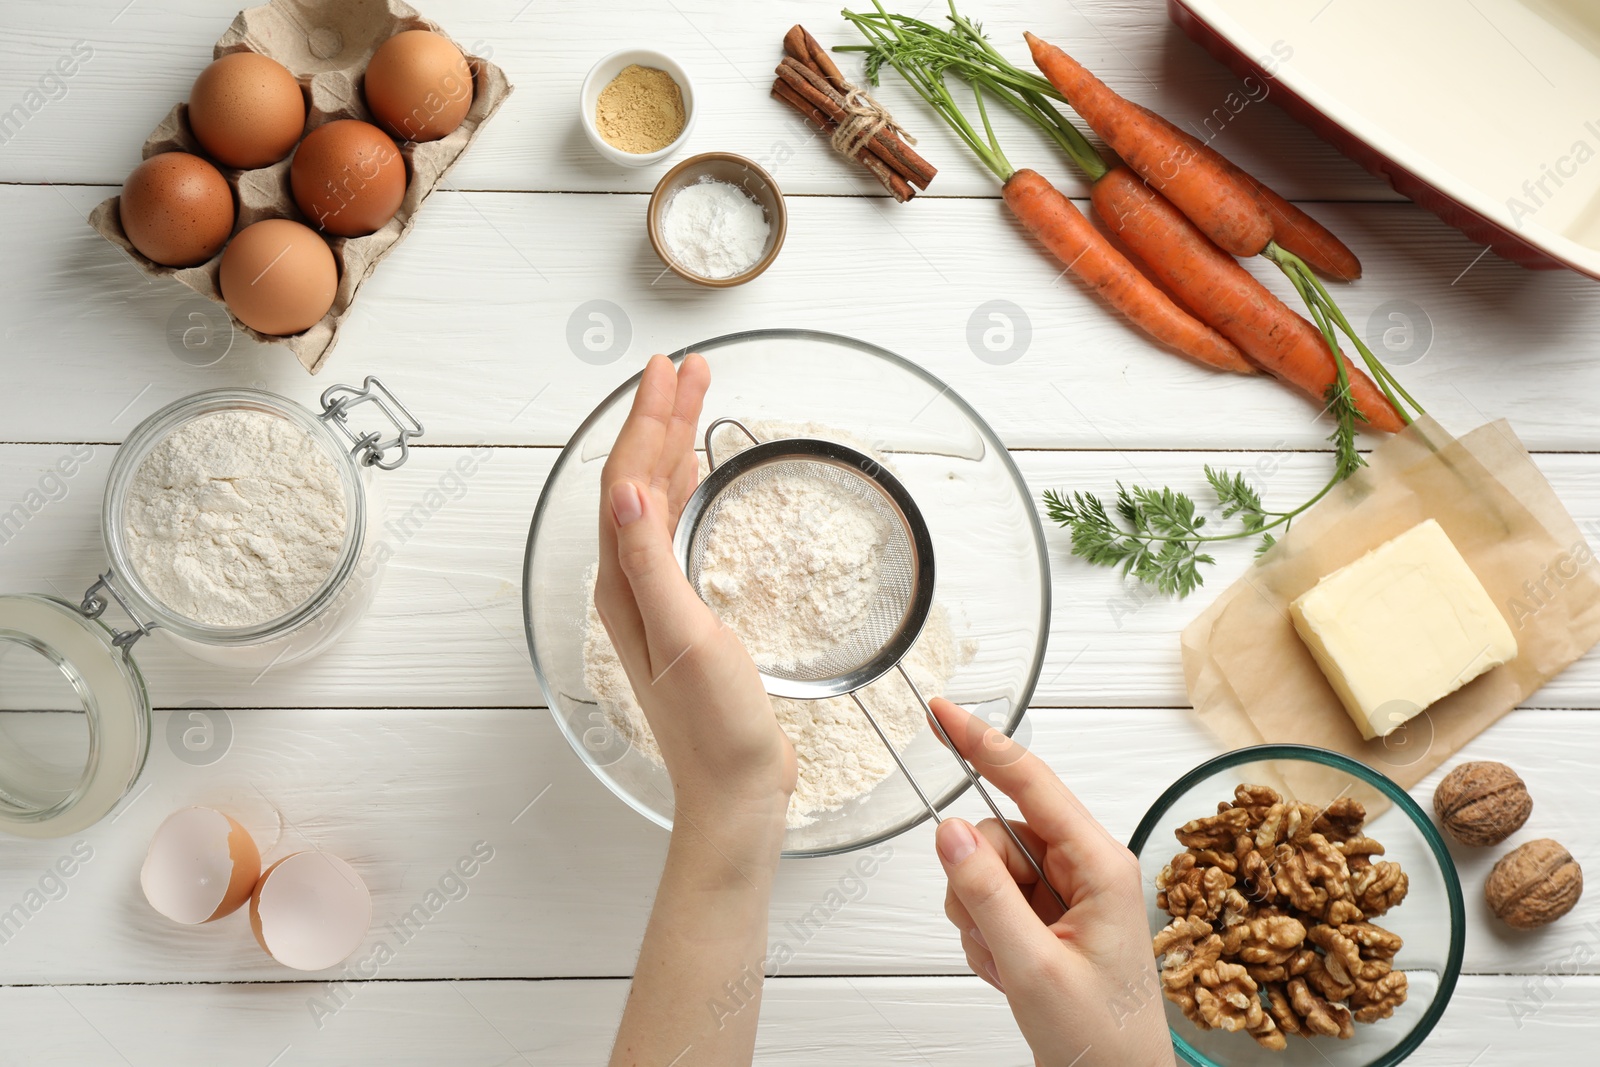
857	126
864	118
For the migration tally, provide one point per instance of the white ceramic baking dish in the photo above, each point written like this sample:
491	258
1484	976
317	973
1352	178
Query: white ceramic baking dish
1486	112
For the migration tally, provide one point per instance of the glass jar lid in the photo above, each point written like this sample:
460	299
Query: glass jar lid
74	717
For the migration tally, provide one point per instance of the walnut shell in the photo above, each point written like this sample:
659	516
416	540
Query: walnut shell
1534	885
1482	803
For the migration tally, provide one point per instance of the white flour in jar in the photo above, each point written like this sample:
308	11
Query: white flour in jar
235	518
793	569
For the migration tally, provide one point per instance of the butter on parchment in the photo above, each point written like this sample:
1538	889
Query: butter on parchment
1403	626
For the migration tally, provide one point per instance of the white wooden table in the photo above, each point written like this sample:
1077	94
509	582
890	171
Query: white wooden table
422	733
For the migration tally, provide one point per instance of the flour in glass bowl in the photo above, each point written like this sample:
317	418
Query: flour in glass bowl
791	569
235	518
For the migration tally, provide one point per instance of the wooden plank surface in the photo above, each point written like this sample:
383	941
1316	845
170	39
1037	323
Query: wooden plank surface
423	733
880	1022
454	586
403	794
470	318
146	57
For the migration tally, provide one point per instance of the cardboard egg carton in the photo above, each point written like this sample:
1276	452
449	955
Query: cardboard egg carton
325	44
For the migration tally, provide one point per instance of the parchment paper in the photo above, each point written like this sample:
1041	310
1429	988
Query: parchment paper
1253	681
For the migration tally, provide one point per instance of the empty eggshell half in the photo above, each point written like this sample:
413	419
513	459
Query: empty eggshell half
201	866
310	911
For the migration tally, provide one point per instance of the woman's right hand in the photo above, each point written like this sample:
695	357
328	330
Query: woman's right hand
1082	984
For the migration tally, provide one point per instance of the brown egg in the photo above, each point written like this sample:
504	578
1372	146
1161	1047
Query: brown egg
177	209
246	110
278	277
418	85
348	178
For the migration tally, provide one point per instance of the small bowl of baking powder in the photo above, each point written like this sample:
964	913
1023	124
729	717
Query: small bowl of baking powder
717	219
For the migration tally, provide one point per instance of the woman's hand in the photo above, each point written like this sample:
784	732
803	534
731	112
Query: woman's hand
696	683
697	986
1083	984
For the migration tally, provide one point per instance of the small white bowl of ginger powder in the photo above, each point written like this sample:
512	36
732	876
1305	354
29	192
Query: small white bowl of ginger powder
637	107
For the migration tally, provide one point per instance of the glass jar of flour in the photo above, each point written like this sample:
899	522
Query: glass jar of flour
238	526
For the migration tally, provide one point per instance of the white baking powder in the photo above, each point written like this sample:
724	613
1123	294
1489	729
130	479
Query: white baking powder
713	229
791	569
235	518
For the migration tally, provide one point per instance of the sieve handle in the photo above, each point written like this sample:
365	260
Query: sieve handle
977	783
873	719
711	456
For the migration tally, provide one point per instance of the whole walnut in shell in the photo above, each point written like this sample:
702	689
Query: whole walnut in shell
1482	803
1534	885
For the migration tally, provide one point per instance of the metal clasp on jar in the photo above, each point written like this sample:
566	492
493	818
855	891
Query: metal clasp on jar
370	448
94	605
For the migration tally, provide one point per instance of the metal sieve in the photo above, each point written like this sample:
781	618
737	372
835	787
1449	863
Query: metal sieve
900	601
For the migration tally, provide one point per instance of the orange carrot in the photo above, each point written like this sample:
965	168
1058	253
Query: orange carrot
1307	238
1228	297
1227	209
1084	250
1292	228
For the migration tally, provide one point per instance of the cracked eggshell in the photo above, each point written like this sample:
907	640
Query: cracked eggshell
310	911
201	866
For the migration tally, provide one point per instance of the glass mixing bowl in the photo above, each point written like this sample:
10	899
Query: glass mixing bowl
1431	918
991	571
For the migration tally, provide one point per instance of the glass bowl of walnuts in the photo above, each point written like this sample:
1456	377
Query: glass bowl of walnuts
1303	910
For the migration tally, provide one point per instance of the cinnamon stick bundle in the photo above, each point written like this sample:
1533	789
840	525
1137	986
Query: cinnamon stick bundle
810	82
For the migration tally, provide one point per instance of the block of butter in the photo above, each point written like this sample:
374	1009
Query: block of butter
1402	627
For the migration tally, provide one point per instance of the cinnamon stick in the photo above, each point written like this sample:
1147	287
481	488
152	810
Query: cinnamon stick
897	186
814	88
810	82
799	45
885	144
823	62
794	44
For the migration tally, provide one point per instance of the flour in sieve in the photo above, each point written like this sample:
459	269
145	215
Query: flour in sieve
235	518
792	570
792	567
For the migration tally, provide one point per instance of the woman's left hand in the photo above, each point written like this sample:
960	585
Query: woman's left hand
694	679
732	766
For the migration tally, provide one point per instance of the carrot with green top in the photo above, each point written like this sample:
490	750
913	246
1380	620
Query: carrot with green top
1083	250
1226	208
1058	224
1155	535
1292	228
1229	298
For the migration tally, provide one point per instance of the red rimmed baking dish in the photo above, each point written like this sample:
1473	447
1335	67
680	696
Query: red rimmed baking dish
1486	114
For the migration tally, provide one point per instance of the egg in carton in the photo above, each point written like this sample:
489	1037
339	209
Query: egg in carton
326	45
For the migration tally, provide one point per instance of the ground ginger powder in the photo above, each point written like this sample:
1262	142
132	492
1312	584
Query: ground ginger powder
641	110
